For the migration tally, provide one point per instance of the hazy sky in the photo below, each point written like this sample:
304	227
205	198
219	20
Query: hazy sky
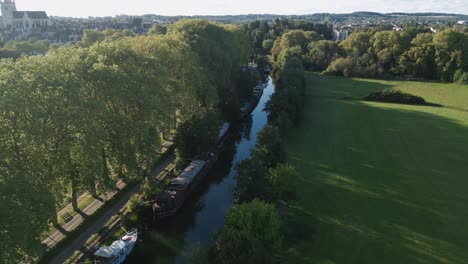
84	8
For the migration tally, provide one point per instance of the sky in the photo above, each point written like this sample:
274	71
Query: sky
85	8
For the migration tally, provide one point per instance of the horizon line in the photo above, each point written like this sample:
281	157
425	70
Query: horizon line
269	14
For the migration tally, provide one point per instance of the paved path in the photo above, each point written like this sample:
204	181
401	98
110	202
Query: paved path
103	219
58	235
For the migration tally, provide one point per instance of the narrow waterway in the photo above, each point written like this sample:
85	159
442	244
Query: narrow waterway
203	214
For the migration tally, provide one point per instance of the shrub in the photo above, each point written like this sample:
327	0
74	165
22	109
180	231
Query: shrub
341	66
458	75
395	96
463	78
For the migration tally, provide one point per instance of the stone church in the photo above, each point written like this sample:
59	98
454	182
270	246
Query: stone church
21	20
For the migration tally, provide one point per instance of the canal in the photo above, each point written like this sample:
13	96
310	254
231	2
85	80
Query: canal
203	213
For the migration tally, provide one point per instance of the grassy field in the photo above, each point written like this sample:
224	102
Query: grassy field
382	183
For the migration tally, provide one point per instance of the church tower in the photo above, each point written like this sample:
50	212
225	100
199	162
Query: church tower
8	8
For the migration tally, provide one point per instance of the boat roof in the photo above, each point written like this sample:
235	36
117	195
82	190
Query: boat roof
189	172
110	251
223	130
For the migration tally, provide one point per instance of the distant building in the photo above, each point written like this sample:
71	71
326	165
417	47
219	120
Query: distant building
339	35
463	22
21	20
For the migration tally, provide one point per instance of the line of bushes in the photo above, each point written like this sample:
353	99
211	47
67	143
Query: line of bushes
253	231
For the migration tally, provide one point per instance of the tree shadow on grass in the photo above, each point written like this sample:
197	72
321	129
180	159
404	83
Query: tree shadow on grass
381	184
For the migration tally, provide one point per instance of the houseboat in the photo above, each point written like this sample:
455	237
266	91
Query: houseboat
173	197
249	106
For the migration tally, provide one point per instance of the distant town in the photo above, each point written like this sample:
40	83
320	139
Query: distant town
38	25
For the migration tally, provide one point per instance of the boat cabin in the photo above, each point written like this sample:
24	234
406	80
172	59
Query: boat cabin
117	251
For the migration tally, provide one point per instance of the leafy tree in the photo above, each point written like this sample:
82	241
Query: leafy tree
221	49
90	37
356	45
267	45
252	182
283	179
388	46
197	135
298	38
322	53
286	55
157	29
252	234
269	148
451	53
419	59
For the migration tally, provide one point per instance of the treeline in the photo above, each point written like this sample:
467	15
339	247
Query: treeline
263	34
409	54
82	117
442	56
18	48
254	230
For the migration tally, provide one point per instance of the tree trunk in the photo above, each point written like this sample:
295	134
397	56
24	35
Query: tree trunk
54	218
74	196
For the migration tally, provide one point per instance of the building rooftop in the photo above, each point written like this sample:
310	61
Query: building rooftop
31	14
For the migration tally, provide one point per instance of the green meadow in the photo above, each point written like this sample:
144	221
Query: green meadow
381	183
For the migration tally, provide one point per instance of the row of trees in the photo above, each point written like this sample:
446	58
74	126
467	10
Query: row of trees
24	47
82	117
413	53
442	56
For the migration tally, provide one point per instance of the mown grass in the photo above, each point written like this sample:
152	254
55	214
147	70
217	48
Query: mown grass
381	183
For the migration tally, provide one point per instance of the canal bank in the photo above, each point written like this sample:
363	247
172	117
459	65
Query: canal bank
170	241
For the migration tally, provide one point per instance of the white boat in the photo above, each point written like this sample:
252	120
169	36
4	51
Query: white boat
118	251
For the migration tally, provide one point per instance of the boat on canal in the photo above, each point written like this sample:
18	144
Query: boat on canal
249	106
173	197
169	201
118	251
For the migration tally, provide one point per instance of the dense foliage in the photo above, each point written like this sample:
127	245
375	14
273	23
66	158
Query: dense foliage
412	54
392	53
252	234
264	34
82	117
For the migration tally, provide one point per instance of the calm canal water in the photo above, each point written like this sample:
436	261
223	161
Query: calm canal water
203	213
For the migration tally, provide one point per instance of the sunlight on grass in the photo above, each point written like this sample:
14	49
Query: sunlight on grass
382	183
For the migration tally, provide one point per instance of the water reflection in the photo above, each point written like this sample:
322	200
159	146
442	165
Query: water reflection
203	213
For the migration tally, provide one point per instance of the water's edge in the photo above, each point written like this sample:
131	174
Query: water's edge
203	213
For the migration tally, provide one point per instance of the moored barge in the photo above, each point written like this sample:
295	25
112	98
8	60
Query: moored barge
173	197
